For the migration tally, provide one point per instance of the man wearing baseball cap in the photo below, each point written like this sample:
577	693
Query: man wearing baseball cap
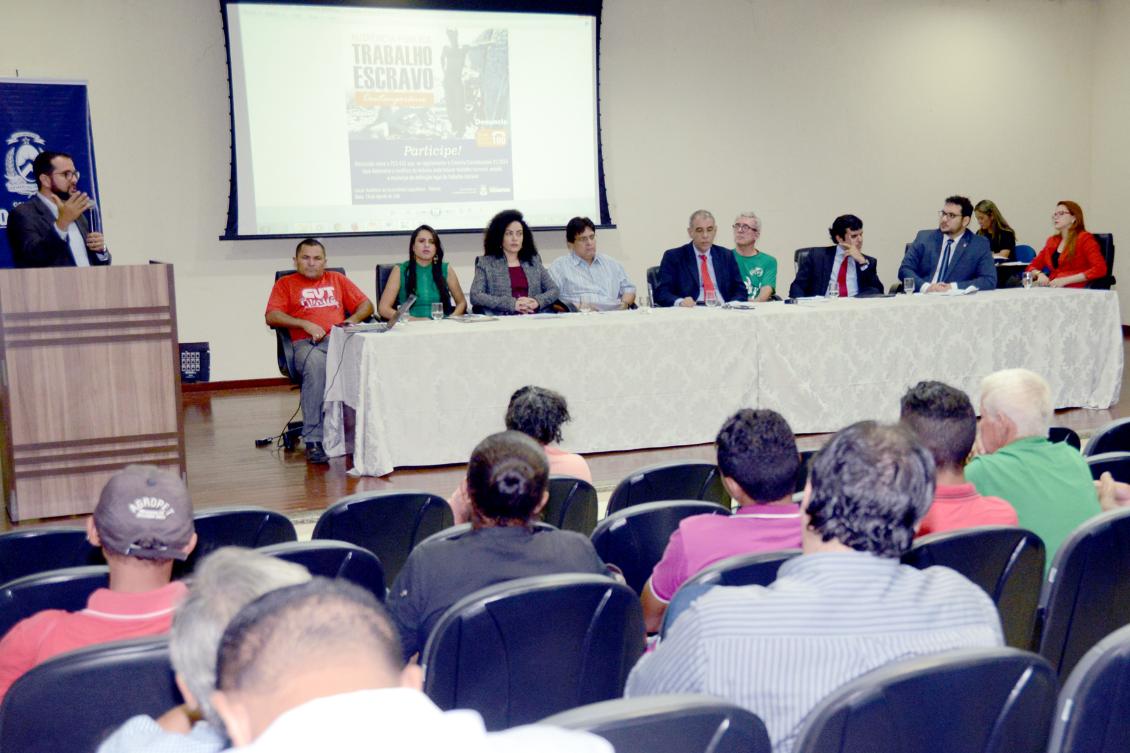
143	522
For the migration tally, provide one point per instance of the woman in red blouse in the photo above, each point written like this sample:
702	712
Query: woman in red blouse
1072	254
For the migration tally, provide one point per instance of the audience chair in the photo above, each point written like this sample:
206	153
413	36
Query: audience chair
1091	716
1023	253
66	588
1086	594
758	569
997	700
657	483
682	723
25	551
571	505
283	345
653	281
1116	463
335	559
634	539
251	527
1006	561
1063	434
1106	246
1114	437
521	650
76	700
388	524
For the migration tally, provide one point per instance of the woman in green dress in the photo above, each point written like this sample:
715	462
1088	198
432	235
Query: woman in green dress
425	275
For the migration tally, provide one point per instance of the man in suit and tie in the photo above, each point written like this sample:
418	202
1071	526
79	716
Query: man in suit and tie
689	274
842	267
952	255
50	229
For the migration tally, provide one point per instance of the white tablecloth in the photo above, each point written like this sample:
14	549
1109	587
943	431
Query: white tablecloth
427	392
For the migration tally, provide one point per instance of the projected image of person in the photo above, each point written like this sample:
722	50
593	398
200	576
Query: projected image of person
509	276
425	275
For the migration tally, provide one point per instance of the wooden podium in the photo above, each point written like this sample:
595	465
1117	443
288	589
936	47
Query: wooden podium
89	382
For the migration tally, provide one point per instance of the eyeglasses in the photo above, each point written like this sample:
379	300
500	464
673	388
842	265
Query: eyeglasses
742	226
1060	213
948	215
68	174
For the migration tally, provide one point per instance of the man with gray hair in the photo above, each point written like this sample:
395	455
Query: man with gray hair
1048	483
699	272
227	580
758	269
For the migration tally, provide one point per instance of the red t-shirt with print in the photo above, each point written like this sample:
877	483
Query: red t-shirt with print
323	301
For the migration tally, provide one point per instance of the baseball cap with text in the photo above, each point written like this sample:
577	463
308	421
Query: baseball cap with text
145	512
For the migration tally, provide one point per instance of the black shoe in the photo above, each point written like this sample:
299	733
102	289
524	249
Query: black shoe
315	453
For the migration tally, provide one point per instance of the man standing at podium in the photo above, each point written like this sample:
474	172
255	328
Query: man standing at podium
51	229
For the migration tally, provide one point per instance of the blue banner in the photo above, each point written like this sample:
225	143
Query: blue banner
37	116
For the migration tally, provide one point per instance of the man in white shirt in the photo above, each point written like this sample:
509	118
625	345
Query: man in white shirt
584	276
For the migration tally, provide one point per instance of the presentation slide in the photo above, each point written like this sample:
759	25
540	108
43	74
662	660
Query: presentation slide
368	119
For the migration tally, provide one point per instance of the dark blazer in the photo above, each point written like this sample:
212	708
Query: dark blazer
490	290
34	242
815	271
678	275
971	262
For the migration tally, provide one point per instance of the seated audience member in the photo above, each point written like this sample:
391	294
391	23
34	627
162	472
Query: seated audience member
951	256
425	275
143	521
224	582
1048	483
943	420
758	458
843	268
758	269
317	667
584	272
509	276
538	413
991	224
1072	254
308	304
699	270
506	479
844	607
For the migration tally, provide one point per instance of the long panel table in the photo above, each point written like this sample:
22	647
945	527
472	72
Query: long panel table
427	392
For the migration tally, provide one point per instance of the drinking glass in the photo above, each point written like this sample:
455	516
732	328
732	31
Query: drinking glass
626	290
437	311
833	290
649	301
908	285
711	299
1028	279
586	304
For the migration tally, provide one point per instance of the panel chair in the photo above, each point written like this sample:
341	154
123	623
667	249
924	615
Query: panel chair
1114	437
1064	434
388	524
802	470
335	559
1023	253
383	272
247	526
25	551
76	700
521	650
572	505
656	483
1091	717
677	723
66	588
653	282
634	539
1106	247
1086	594
1115	463
1005	561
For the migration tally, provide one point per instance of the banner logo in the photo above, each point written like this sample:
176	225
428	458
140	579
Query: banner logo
23	148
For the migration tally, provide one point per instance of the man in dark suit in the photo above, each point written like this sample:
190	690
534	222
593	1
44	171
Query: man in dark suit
951	256
843	265
682	281
49	229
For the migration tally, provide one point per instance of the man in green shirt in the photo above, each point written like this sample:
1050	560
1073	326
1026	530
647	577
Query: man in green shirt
1048	483
759	269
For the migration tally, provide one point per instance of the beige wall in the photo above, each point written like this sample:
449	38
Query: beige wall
797	109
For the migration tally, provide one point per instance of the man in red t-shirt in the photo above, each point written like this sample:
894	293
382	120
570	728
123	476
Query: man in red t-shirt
309	304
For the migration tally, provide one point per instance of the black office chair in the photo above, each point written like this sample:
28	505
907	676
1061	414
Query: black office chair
66	588
1064	434
669	481
1115	463
1007	562
653	281
669	724
634	539
571	505
247	526
1086	594
1091	716
33	550
388	524
972	701
383	272
76	700
802	470
519	651
283	345
1106	246
335	559
1114	437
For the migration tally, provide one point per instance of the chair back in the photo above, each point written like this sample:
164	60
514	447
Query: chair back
384	271
251	527
571	505
67	588
802	470
1023	253
33	550
519	651
997	700
1064	434
388	524
653	281
634	539
694	480
1114	437
284	348
800	254
335	559
1117	464
681	723
76	700
1106	247
1086	594
1005	561
1091	717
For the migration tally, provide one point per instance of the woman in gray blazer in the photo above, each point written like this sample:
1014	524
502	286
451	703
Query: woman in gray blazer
509	276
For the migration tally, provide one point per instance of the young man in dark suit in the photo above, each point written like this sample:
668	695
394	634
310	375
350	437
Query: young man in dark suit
952	255
843	265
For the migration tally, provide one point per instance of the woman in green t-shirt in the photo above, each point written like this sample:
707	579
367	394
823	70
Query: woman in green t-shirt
425	275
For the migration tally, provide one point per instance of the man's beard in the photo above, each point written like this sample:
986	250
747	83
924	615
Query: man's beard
63	195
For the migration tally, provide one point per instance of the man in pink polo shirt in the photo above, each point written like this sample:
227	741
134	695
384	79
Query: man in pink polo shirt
143	522
758	458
